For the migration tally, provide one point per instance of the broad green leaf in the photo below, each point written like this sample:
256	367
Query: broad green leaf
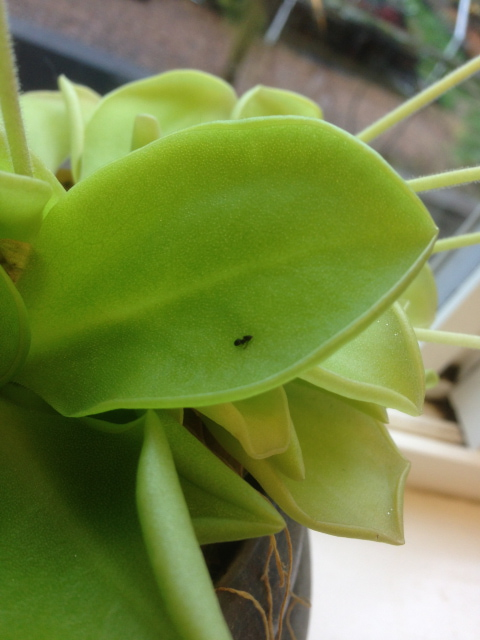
354	477
267	101
14	332
176	558
176	99
73	563
223	507
146	274
420	299
382	365
262	424
80	103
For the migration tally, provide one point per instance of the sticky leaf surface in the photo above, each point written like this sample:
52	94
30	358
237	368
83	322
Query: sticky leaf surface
146	274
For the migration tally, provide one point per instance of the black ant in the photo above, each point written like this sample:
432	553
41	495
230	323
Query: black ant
243	341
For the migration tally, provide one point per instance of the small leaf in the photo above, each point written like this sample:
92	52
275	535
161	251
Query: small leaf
54	121
354	476
46	123
14	191
176	558
80	103
267	101
157	264
262	424
23	203
223	507
176	99
145	130
381	365
291	462
24	200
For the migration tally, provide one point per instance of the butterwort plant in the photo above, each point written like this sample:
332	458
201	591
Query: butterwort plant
224	271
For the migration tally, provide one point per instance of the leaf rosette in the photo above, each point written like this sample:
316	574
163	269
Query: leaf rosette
240	259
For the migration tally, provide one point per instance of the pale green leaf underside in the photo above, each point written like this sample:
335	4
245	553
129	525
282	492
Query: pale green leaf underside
382	365
176	558
223	507
354	473
73	562
176	99
145	274
15	331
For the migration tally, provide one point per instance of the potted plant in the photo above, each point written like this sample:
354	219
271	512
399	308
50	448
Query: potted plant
227	292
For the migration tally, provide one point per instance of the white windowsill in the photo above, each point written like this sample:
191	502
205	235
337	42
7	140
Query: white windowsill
444	467
428	589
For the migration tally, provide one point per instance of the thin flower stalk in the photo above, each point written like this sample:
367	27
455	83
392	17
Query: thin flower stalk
10	106
419	101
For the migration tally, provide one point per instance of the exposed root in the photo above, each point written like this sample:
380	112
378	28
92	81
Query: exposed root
289	599
266	581
285	575
288	575
279	563
256	604
294	600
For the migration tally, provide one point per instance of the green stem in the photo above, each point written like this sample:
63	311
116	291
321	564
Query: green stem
447	179
420	101
456	242
9	102
463	340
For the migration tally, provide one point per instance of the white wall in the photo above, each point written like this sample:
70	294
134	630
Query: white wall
428	589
